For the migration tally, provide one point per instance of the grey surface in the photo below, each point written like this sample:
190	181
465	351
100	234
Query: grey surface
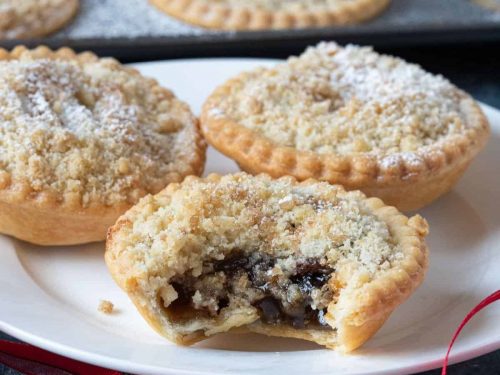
128	28
136	18
123	19
133	23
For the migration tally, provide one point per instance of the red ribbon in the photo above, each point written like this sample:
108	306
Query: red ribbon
481	305
31	360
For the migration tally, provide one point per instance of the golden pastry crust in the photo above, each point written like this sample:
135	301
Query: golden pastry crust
377	257
352	117
82	139
34	18
258	14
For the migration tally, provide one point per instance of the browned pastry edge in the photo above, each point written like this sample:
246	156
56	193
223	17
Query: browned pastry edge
221	16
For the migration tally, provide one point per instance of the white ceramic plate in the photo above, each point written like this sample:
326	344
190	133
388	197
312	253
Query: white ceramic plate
49	296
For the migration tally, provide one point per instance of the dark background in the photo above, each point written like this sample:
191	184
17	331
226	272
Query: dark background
472	66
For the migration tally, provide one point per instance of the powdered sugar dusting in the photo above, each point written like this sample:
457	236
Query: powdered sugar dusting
367	76
216	112
348	100
394	160
96	130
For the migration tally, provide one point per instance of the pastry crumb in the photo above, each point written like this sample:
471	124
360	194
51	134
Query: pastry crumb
105	306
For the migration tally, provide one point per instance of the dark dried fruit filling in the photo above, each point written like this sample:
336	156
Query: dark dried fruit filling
297	297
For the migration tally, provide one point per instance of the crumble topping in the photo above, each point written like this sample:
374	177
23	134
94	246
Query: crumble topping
90	128
346	100
252	242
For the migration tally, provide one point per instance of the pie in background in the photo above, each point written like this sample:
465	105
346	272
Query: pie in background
271	14
22	19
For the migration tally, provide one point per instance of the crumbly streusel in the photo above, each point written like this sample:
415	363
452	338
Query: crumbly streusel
241	240
346	100
256	213
24	18
91	128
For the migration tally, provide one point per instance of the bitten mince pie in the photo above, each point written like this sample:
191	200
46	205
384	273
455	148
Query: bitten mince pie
34	18
348	115
248	253
271	14
81	140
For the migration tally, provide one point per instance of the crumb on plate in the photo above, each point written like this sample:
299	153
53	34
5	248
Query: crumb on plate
105	306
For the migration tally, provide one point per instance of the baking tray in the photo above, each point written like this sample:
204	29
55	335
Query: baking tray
135	30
